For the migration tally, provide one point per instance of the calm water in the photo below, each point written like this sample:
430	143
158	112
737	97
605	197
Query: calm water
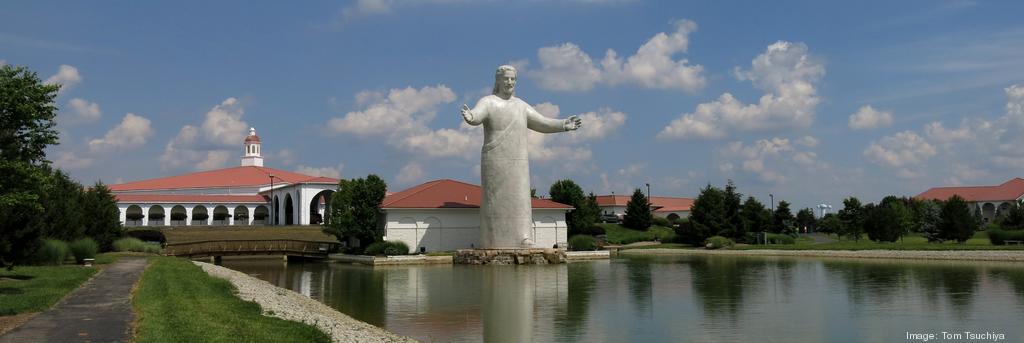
672	298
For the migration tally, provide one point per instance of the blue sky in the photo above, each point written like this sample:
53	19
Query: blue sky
809	100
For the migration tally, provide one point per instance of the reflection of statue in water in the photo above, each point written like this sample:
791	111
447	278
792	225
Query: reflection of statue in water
505	213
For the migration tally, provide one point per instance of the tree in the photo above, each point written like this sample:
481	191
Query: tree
853	218
1013	219
928	219
731	202
638	212
583	215
63	217
355	209
755	217
104	224
708	210
27	125
782	221
882	223
956	221
830	223
805	219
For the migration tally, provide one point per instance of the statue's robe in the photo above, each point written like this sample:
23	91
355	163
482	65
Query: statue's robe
506	216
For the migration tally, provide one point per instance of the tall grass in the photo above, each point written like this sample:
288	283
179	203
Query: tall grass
52	252
136	245
84	248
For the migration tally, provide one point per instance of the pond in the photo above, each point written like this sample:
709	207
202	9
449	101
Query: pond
670	298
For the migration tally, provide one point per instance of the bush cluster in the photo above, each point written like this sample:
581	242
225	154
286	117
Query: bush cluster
717	242
774	238
147	235
136	245
1000	236
52	251
593	230
660	221
582	243
84	248
388	248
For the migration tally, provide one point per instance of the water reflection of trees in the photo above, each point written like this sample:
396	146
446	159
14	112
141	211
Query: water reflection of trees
882	283
723	283
1012	276
357	291
638	277
573	318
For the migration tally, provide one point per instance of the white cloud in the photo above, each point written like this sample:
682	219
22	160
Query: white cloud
402	111
66	76
599	124
869	118
131	132
410	173
902	149
84	111
70	161
3	63
280	157
329	171
807	141
787	74
566	67
775	160
212	144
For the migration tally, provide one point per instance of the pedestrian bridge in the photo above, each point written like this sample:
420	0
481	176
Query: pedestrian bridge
287	247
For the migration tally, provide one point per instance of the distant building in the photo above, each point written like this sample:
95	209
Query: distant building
990	200
250	194
444	215
666	207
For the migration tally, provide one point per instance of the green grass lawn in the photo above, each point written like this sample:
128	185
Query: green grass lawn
216	233
618	234
177	302
36	288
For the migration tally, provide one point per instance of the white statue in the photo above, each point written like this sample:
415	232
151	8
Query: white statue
506	216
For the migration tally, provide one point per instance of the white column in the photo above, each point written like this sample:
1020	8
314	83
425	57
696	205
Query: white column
188	215
145	215
123	215
231	215
167	214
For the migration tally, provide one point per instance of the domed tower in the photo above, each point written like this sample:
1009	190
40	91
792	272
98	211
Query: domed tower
252	150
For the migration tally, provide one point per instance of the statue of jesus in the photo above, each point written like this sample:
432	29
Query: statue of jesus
506	215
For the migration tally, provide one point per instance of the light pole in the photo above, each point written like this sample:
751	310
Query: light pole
648	195
273	204
772	197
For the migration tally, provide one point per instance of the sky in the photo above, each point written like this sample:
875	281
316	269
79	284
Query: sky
810	101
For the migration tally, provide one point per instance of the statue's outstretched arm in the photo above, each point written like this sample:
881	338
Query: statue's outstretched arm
476	115
538	122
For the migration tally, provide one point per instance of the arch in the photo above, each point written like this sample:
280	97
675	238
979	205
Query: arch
318	208
289	210
988	211
275	217
178	215
133	216
241	215
672	217
200	215
156	215
1005	206
220	215
260	215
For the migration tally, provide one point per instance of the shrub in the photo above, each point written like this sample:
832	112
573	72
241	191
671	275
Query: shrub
582	243
151	248
84	248
660	221
52	252
132	244
716	242
593	230
691	232
147	235
774	238
387	248
1000	236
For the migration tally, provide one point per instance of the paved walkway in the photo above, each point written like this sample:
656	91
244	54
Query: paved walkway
99	311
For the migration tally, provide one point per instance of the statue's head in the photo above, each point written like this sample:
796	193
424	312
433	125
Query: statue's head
505	80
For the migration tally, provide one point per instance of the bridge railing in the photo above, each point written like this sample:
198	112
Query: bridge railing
250	247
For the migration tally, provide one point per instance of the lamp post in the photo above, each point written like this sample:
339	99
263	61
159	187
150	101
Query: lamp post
273	204
772	197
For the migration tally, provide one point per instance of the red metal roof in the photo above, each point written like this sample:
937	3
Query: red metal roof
190	198
245	176
1008	191
660	204
252	138
447	193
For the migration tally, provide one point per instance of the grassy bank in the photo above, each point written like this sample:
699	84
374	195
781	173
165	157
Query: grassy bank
618	234
216	233
36	288
911	242
177	302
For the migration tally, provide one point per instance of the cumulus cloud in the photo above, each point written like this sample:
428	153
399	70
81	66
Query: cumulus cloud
329	171
566	67
211	144
131	132
786	72
773	160
807	141
83	110
71	161
410	173
401	110
66	76
869	118
900	150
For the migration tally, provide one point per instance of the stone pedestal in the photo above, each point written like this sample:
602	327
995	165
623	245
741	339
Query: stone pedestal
509	256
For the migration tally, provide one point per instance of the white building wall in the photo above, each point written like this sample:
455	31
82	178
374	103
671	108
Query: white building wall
453	229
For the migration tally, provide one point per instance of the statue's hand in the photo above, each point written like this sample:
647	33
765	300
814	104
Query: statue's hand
573	123
466	114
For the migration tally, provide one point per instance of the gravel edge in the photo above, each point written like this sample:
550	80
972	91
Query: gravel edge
288	305
958	255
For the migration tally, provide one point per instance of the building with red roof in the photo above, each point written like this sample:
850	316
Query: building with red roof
990	200
249	194
443	215
667	207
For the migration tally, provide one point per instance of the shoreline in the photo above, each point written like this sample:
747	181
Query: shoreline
948	255
288	305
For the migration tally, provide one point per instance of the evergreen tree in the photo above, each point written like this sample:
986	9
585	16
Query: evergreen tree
638	212
731	202
583	215
27	115
783	220
62	198
355	210
956	221
104	223
708	210
1013	219
853	218
928	219
756	217
805	220
881	222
